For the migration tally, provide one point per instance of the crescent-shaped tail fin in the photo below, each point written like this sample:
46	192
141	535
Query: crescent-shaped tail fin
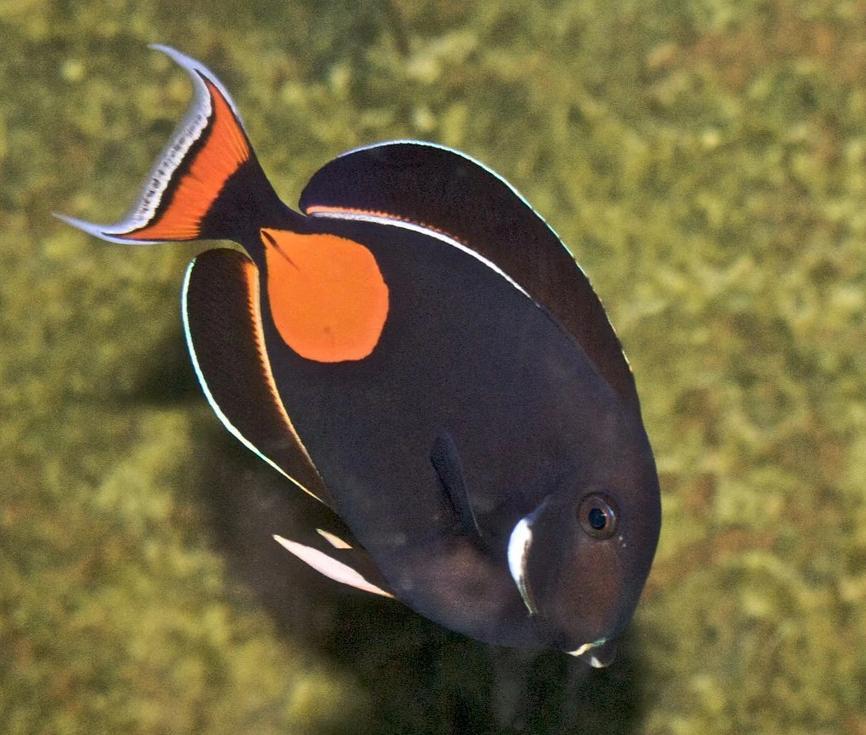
206	183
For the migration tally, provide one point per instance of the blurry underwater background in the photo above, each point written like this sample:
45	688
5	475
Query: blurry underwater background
706	162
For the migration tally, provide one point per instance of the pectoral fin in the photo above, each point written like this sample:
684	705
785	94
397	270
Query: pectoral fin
446	462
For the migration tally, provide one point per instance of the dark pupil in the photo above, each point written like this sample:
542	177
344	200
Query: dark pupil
597	519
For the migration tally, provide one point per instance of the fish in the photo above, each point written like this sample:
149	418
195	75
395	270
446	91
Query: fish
415	348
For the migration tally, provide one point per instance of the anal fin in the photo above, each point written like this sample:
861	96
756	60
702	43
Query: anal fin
222	321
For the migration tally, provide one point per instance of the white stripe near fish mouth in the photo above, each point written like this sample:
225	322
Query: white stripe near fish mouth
586	648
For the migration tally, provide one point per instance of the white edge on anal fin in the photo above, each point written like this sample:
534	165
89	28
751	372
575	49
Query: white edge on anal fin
232	429
329	567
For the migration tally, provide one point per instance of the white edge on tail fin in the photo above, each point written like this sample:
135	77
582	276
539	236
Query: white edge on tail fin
185	135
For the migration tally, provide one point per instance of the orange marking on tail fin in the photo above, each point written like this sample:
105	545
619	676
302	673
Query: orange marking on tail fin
328	298
223	150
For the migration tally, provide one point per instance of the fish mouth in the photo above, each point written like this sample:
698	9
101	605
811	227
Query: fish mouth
597	654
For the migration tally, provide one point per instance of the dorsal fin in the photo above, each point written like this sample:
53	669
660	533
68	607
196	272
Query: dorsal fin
222	320
415	184
446	462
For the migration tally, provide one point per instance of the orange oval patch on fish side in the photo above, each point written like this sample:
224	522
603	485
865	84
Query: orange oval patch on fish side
327	295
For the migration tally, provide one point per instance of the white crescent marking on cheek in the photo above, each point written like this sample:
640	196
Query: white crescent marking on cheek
518	554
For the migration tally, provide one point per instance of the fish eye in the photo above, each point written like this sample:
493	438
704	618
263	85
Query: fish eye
597	516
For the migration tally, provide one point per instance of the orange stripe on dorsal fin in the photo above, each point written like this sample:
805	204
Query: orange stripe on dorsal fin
327	295
440	191
189	180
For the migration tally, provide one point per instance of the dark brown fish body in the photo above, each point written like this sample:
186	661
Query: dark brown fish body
418	350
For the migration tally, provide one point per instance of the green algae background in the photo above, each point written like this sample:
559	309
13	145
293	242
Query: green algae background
706	162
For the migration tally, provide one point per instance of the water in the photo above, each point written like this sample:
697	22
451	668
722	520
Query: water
704	161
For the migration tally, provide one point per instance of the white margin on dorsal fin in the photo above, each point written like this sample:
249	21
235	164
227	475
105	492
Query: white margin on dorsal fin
187	132
331	568
386	219
462	154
